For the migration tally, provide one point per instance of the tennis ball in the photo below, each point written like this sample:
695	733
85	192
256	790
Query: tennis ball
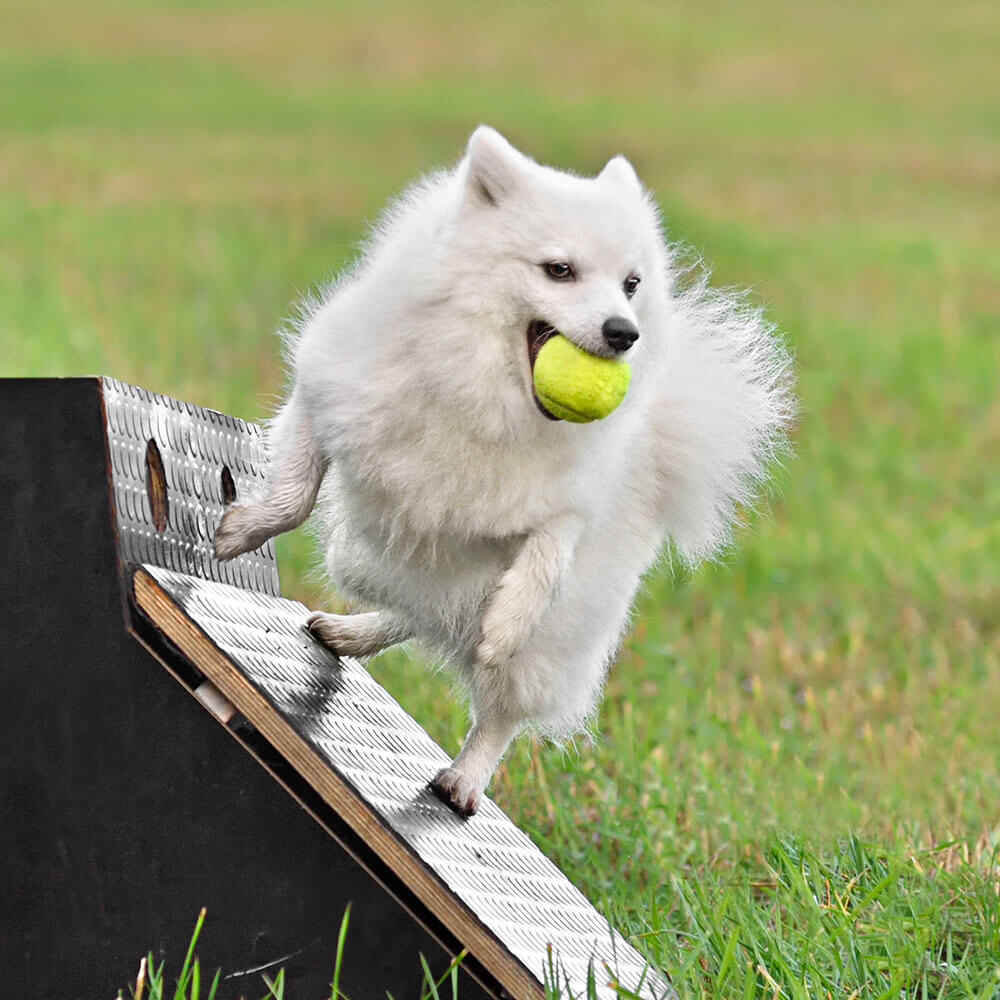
575	385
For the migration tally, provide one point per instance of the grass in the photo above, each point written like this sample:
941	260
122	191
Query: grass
152	982
795	789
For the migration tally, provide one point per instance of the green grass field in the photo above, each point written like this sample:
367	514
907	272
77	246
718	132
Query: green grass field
796	790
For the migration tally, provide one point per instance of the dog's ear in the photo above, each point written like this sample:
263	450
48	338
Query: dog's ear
493	166
621	174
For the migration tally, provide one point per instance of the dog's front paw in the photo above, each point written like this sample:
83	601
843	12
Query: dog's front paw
493	651
457	790
240	530
501	633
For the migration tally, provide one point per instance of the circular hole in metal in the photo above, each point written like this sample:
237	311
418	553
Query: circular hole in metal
228	486
156	486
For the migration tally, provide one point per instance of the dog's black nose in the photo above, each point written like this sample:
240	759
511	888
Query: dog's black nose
619	333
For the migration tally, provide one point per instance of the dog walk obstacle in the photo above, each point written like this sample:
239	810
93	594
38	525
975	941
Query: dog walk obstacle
257	775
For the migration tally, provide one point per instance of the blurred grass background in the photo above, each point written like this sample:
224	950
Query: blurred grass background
173	175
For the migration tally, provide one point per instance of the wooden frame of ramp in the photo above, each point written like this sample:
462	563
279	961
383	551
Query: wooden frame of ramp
347	752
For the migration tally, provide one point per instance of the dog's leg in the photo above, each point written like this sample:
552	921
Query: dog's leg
525	591
295	471
462	785
359	635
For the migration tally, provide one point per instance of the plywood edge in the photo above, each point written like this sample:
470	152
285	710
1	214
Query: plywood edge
170	618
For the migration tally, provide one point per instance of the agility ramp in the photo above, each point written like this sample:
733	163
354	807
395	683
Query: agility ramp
257	775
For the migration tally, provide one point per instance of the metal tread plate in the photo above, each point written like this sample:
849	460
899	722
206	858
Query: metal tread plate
384	758
197	448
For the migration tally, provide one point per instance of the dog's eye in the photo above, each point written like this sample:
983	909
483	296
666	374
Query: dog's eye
630	284
559	270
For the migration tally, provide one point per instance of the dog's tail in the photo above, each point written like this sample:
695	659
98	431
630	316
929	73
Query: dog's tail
723	417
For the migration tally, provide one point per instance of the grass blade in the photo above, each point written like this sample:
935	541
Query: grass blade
186	968
339	962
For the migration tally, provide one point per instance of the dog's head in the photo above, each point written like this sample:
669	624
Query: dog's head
583	257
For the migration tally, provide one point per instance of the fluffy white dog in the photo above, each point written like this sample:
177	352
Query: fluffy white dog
452	503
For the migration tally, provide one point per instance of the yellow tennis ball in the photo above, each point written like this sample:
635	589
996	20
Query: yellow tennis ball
575	385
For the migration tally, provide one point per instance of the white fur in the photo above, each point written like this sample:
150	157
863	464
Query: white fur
511	543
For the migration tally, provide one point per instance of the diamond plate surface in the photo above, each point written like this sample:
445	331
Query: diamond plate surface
361	732
195	445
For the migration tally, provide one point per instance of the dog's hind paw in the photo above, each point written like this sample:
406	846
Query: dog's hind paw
345	635
240	530
457	790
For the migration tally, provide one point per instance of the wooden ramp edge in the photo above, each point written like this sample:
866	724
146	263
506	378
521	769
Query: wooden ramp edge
369	761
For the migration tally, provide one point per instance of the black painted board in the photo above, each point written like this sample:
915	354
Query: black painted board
125	806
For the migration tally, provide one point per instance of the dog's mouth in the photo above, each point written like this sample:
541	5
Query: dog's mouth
539	331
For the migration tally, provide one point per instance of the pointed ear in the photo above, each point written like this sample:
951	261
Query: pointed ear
494	166
621	174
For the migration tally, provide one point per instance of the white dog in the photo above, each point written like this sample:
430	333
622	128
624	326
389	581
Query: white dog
509	541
